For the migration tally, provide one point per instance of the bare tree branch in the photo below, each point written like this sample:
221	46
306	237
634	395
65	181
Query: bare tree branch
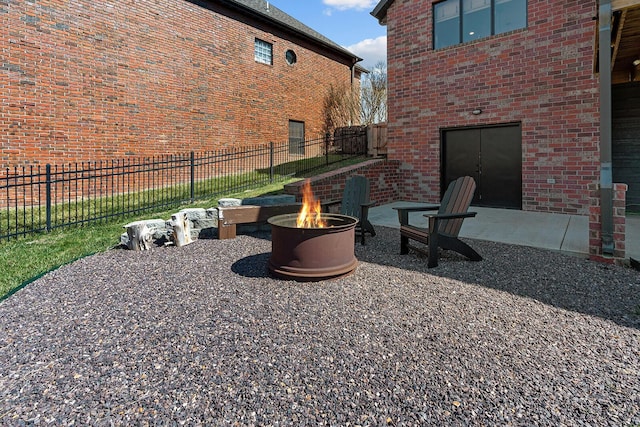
374	96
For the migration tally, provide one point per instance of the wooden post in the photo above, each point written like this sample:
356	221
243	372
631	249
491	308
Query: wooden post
140	236
181	234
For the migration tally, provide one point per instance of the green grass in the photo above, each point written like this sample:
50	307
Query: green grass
119	206
24	260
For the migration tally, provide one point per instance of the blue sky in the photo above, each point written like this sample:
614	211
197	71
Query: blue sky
346	22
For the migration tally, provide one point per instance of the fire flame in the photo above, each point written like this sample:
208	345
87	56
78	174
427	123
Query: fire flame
310	214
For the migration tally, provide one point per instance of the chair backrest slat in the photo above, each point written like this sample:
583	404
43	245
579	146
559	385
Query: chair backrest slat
356	193
456	199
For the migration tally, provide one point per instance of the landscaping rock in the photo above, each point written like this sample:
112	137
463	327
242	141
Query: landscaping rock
202	335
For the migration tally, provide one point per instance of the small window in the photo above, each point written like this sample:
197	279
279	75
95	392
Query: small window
296	137
263	52
291	57
459	21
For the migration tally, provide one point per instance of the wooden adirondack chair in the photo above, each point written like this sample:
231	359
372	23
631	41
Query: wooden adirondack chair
355	202
444	225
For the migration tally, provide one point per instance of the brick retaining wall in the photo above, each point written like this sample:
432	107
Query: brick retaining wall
384	176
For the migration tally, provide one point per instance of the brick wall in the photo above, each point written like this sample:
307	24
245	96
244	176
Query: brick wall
88	80
383	177
541	77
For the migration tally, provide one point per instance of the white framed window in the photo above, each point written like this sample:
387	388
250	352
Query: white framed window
263	52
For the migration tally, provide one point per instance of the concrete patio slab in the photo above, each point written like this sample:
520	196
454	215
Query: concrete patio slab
566	233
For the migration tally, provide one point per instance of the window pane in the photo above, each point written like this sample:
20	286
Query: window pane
446	24
263	52
510	15
476	19
296	137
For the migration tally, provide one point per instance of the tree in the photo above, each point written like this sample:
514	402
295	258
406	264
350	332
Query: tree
344	107
373	96
340	107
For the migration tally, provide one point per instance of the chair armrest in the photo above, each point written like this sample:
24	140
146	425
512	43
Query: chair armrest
417	208
434	219
403	211
327	205
364	210
451	215
331	202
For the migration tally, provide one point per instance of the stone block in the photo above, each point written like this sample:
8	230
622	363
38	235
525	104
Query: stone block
278	199
194	213
158	227
202	223
226	202
212	213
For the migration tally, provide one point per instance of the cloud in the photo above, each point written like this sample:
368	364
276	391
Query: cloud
371	51
351	4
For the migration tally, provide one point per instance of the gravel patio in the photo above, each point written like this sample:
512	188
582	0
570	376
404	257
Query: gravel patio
201	335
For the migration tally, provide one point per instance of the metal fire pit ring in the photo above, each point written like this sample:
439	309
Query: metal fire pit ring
312	254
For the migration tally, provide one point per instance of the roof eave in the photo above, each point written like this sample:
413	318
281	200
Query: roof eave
380	11
355	59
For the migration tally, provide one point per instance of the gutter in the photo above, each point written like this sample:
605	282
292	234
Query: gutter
267	16
606	174
380	11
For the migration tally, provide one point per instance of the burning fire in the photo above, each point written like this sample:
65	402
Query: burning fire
310	214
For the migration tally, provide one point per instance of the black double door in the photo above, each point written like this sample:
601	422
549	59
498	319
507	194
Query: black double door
493	157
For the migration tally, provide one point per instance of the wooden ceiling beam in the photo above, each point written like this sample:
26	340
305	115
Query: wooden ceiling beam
623	4
618	37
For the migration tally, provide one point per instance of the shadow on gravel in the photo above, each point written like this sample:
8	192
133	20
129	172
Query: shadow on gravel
571	283
252	266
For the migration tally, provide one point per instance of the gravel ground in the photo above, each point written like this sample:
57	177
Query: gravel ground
202	335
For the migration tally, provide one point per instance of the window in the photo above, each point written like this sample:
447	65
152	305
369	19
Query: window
510	15
296	137
291	57
263	52
476	19
459	21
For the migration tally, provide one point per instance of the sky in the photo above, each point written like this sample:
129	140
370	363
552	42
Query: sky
346	22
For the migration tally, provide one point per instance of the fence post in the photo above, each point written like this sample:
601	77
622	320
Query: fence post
48	196
271	165
326	148
193	177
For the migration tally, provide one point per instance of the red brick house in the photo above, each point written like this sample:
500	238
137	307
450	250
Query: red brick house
509	91
87	80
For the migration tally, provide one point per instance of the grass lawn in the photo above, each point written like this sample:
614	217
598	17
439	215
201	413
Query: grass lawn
25	259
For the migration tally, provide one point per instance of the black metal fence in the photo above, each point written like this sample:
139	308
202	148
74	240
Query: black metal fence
43	198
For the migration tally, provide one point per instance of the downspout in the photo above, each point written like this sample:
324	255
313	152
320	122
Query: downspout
606	174
352	72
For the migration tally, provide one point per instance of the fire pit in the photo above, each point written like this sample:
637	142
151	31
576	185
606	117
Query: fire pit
312	245
315	253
